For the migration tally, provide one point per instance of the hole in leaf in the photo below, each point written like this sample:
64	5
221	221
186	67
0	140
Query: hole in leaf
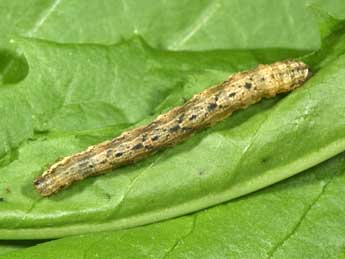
13	67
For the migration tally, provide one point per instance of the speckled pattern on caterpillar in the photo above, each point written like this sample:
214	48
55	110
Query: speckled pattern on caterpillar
203	110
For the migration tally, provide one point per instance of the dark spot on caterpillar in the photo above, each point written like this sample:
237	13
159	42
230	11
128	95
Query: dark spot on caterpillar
143	137
175	128
232	94
103	161
184	99
62	186
192	117
248	85
201	173
109	152
250	79
216	97
148	147
118	154
211	106
2	199
154	138
262	79
180	118
138	146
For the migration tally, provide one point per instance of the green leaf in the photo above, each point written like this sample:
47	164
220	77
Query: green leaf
7	246
183	25
56	99
336	8
301	217
61	98
177	25
60	112
77	95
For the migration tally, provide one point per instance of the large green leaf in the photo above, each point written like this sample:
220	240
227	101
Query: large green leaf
301	217
77	95
335	7
182	25
7	246
33	134
179	24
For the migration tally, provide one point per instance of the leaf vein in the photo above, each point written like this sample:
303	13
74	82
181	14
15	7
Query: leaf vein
301	219
43	17
203	18
180	240
130	186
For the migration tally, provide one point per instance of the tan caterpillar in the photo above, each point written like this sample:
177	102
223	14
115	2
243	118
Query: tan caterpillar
204	109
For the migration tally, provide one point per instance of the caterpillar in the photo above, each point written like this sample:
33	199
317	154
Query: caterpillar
202	110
